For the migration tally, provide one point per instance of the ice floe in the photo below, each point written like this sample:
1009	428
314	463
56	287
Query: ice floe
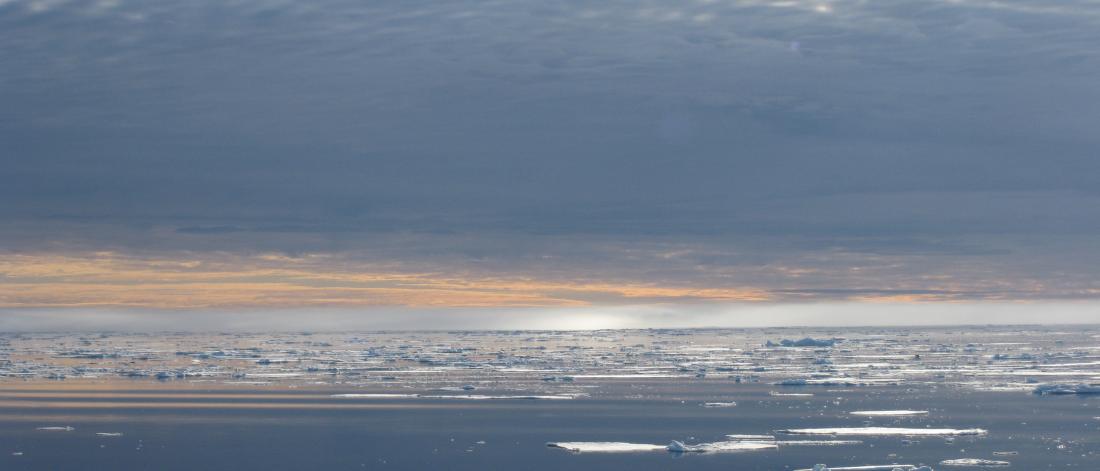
375	396
888	413
606	447
872	467
56	429
719	404
883	431
1067	389
974	462
677	446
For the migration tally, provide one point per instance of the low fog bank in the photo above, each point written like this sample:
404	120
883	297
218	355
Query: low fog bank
588	318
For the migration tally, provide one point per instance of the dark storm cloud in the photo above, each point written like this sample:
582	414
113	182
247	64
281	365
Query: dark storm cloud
709	142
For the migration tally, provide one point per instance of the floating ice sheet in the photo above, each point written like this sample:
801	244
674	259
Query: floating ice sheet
606	447
884	431
717	447
889	413
974	462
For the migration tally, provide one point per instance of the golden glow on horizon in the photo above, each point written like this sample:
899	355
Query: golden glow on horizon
109	279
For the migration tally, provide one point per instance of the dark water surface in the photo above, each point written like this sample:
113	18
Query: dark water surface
168	427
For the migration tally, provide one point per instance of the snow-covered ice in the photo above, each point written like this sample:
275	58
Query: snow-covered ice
883	431
974	462
889	413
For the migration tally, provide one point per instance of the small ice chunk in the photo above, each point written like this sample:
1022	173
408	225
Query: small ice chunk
974	462
889	413
108	434
56	429
779	394
719	404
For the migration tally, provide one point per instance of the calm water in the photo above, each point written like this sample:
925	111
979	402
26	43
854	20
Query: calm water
169	427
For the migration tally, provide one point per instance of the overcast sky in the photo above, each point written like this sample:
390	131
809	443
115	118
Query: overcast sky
210	156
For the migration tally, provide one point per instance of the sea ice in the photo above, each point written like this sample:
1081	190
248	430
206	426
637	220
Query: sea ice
375	396
677	446
481	397
889	413
873	467
883	431
974	462
1060	389
806	342
719	404
606	447
56	429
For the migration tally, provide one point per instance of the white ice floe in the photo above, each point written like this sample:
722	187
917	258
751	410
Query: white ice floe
719	404
476	397
779	394
883	431
889	413
56	429
1061	389
750	437
108	434
448	396
818	442
677	446
375	396
872	467
974	462
606	447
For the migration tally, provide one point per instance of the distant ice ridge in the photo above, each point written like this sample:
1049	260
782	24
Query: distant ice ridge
889	413
806	342
884	431
974	462
1061	389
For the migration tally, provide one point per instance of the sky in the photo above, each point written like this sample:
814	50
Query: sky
485	163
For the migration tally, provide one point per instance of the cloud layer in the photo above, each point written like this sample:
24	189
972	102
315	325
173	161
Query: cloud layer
524	153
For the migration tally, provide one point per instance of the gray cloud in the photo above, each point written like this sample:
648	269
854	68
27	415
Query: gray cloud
676	142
